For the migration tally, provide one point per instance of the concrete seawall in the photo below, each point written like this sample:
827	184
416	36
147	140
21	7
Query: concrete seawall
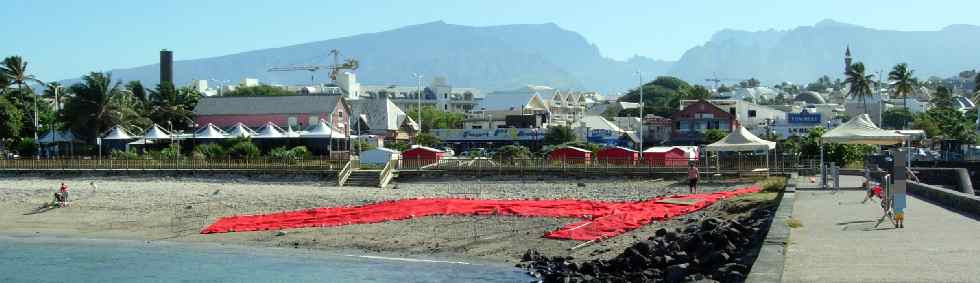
965	203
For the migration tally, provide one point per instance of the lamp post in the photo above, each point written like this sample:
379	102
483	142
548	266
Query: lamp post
639	74
419	78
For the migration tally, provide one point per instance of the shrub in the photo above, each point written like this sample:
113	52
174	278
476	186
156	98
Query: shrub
280	153
774	184
210	151
171	152
26	147
246	150
124	155
300	152
508	153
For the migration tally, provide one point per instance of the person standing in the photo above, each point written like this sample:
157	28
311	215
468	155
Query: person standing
692	177
64	194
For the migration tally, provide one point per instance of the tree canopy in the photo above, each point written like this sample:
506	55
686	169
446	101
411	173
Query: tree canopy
259	90
662	96
559	135
433	118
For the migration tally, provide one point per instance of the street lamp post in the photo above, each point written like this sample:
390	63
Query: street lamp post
641	133
419	78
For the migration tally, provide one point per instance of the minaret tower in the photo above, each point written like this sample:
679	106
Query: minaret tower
847	59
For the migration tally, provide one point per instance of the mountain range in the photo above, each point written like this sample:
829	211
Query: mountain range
512	56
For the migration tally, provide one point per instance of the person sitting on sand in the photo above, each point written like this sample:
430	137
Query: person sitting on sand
692	177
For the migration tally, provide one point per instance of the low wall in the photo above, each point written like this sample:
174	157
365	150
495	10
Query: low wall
958	178
769	264
947	198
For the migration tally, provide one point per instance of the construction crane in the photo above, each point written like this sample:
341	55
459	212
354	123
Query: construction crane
349	64
716	80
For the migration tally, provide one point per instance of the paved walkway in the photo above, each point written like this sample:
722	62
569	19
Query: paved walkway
838	242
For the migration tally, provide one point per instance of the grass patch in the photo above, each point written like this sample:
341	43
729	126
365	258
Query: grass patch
774	184
747	202
794	223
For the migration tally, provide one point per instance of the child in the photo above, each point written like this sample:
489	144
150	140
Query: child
64	194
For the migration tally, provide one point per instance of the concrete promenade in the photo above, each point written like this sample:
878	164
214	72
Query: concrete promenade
838	241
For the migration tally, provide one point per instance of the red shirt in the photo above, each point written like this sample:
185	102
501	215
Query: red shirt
692	173
64	188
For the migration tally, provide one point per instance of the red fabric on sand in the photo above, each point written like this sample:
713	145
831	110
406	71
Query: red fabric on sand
602	219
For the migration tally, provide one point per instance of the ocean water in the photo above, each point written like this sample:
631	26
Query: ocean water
63	260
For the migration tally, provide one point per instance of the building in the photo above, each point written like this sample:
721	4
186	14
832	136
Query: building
420	156
658	129
754	94
753	117
597	129
439	94
694	119
295	112
798	124
571	155
669	156
379	156
166	66
618	155
562	108
497	119
381	117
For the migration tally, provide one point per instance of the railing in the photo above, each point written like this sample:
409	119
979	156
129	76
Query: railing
707	165
224	164
345	173
387	173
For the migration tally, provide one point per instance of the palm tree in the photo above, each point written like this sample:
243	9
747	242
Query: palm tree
943	98
903	79
860	84
4	81
91	111
173	106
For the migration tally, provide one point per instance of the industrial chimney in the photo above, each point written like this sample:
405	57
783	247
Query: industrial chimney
166	66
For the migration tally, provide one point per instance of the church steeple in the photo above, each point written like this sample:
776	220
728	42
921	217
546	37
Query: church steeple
847	59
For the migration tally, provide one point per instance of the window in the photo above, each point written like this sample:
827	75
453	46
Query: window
476	127
445	107
751	113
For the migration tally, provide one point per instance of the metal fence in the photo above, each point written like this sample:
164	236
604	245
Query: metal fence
735	164
264	164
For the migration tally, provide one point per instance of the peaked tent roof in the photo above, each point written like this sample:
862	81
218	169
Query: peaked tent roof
270	130
321	130
156	133
210	131
860	130
240	130
289	133
57	137
117	132
741	140
536	103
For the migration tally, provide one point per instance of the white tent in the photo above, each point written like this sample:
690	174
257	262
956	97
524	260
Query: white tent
379	155
240	130
861	130
740	140
289	133
156	133
210	131
270	130
321	130
117	133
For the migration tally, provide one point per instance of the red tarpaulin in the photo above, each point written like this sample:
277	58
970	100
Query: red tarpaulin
602	219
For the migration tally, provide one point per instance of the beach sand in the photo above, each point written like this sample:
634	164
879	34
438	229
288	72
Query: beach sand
175	209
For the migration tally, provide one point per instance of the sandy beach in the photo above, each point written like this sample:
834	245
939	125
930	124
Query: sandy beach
175	209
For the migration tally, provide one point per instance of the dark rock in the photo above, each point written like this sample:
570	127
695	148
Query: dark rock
671	236
531	255
733	276
736	267
660	232
676	273
710	223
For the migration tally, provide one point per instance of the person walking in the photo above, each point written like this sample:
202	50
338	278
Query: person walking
692	177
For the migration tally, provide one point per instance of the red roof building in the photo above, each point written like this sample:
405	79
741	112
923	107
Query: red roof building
422	156
618	155
571	155
693	121
666	156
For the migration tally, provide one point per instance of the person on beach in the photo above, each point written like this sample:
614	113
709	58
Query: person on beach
64	195
692	177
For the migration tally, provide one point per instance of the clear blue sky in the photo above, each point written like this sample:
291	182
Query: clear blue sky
65	39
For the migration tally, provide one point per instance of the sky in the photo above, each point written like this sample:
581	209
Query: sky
66	39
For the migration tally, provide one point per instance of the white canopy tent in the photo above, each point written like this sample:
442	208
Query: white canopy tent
210	131
117	132
322	130
156	133
742	140
859	130
270	130
240	130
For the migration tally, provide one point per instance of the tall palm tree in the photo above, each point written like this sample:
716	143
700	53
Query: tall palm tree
4	81
173	106
903	79
91	111
859	83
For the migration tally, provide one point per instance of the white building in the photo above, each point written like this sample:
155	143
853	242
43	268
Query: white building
249	82
752	116
753	93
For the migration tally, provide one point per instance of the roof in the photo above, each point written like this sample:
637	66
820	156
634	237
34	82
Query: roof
223	105
619	148
860	130
741	140
240	130
156	133
388	150
599	123
210	131
426	148
659	149
270	130
321	130
810	97
117	132
57	137
573	148
380	114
